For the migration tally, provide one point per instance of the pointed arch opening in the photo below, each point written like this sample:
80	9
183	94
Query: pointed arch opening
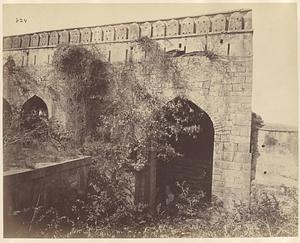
33	112
193	141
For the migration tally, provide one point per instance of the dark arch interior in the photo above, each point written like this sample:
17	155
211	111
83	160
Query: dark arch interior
194	166
33	111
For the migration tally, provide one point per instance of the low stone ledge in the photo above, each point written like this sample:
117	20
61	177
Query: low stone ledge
22	187
43	169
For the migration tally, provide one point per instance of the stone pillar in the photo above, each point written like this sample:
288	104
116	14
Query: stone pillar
145	184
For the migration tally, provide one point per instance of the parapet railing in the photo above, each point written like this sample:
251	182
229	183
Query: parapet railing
235	21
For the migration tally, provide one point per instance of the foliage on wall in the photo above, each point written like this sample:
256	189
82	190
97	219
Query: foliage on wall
44	140
84	82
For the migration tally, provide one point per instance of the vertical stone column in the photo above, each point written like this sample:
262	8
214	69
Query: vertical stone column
236	152
145	184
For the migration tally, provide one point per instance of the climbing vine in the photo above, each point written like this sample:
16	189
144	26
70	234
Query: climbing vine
84	82
42	139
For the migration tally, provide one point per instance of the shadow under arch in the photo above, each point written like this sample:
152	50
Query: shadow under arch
195	143
33	111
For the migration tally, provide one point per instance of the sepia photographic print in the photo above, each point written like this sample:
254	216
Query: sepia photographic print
150	120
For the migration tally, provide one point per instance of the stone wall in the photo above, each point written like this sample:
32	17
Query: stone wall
24	83
277	163
224	92
214	23
24	188
119	39
222	87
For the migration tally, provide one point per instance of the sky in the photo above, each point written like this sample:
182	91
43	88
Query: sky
275	86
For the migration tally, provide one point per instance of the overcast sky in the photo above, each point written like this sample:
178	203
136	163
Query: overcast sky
275	88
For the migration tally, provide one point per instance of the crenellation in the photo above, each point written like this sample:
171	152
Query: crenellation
248	20
44	39
159	29
53	38
187	26
190	26
97	35
7	43
146	29
25	41
74	36
172	28
121	32
235	21
133	31
34	40
203	25
218	23
64	37
108	34
85	34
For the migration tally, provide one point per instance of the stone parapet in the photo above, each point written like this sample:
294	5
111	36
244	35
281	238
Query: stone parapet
229	22
24	188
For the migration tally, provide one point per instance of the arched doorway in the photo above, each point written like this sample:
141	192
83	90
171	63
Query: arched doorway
194	141
33	112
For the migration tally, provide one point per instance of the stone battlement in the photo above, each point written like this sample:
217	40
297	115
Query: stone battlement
234	21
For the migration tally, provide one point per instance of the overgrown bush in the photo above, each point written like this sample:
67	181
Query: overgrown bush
45	140
84	83
109	211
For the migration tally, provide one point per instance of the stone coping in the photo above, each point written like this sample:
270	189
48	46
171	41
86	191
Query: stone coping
44	169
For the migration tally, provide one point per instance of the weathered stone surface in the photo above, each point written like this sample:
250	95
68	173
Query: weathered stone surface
187	26
241	157
121	32
108	33
7	43
159	29
172	27
203	25
44	39
218	23
64	37
74	36
85	35
25	41
277	163
34	40
97	34
22	189
235	21
248	21
146	29
222	91
53	38
133	31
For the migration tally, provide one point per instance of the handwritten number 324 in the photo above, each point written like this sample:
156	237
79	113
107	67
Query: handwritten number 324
21	20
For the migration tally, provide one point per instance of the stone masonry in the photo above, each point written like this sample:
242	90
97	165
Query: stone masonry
222	87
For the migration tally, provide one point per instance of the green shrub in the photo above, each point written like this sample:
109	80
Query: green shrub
109	211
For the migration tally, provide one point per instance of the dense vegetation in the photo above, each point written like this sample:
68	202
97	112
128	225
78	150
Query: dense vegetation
120	123
107	213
